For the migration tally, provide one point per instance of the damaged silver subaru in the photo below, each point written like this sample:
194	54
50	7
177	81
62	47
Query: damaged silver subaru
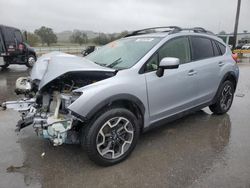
106	99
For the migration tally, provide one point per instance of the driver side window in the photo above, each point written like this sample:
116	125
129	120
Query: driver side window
178	48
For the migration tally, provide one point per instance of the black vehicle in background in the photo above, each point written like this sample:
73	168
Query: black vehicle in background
88	50
13	49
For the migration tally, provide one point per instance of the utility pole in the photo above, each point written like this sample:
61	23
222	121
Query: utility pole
236	23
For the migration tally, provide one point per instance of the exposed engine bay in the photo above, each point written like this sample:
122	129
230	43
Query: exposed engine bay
45	108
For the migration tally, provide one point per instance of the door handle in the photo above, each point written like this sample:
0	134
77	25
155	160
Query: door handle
192	72
221	63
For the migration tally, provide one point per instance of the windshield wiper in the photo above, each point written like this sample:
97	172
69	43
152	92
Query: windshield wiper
103	65
116	62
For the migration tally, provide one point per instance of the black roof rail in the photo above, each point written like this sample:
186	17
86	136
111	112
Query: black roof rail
198	30
172	29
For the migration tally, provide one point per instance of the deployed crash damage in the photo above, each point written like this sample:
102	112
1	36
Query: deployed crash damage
50	90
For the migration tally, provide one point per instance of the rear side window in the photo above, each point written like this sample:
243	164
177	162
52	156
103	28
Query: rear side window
201	48
222	47
178	48
216	49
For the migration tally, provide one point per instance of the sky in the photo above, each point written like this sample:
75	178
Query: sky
119	15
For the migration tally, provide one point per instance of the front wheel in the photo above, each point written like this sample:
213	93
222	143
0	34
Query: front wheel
112	136
224	99
30	61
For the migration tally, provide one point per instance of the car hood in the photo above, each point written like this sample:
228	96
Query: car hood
50	66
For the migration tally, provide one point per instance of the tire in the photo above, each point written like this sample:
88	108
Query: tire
6	64
118	142
224	98
30	61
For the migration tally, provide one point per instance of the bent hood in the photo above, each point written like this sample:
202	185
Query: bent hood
51	66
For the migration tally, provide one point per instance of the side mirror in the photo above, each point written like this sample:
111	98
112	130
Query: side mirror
167	63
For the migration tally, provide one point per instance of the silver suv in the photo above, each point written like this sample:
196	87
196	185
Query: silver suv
107	99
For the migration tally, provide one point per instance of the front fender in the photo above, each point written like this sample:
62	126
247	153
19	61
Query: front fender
95	96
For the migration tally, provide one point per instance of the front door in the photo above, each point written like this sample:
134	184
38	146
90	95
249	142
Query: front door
176	90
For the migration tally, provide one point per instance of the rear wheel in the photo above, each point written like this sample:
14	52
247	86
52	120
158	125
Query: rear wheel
31	61
112	136
224	99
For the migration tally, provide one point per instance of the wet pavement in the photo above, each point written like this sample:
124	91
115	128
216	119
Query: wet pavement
200	150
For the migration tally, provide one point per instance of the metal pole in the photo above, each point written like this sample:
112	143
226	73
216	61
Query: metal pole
236	23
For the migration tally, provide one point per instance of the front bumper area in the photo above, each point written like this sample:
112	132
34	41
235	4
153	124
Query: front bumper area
54	125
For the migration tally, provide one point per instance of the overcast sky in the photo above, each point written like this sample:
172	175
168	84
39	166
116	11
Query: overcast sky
118	15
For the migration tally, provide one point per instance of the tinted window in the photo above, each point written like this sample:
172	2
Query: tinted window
216	50
8	34
18	36
1	45
178	48
222	48
201	48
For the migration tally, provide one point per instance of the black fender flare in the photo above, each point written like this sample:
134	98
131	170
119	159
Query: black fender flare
225	77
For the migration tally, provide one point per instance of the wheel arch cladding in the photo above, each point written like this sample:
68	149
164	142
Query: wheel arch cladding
127	101
231	77
228	76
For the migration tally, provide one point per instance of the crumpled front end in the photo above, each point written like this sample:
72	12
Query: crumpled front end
48	114
46	98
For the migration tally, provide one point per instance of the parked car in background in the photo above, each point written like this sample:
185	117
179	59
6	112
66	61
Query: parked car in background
13	49
88	50
239	46
107	99
246	47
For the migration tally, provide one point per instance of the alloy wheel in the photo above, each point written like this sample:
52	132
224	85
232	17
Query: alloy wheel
115	137
227	97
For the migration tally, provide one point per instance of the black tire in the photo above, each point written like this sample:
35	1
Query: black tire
6	65
92	133
220	107
30	61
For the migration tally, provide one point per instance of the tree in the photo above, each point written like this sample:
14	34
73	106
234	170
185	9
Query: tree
32	39
79	37
102	39
46	35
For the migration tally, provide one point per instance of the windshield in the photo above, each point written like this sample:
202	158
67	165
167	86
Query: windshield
123	53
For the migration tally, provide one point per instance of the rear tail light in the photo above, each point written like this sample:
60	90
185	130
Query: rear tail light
235	57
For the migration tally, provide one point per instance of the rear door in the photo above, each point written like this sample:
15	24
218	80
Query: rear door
206	58
9	38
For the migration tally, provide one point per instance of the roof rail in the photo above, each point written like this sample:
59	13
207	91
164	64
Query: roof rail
170	29
201	30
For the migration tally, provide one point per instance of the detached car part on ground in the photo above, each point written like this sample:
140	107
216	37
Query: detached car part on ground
104	101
